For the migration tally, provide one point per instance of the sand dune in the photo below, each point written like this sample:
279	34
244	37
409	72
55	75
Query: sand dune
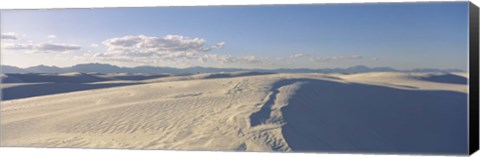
16	86
424	81
19	91
371	112
367	118
58	78
75	77
445	78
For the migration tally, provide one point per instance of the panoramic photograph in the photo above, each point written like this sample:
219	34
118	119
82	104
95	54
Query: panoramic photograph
341	78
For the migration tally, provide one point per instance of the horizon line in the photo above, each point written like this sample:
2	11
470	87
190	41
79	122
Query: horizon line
412	69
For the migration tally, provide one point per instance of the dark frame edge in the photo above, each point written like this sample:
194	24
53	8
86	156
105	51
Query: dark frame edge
473	79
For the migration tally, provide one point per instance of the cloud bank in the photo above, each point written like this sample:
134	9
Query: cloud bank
298	55
9	36
225	59
51	36
169	47
337	58
150	49
168	44
42	47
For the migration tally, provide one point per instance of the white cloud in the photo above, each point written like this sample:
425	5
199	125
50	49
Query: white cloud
225	59
298	55
250	59
94	45
30	46
218	45
42	47
203	59
51	36
149	48
169	43
9	36
17	46
337	58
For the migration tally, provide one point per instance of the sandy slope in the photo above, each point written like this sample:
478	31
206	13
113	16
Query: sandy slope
424	81
382	112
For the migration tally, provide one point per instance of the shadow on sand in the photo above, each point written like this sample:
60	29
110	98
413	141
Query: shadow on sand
32	78
325	116
446	78
79	78
25	91
139	77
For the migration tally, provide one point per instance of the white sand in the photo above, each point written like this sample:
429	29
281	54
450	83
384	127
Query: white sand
239	111
406	80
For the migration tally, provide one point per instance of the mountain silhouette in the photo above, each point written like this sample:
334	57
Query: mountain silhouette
108	68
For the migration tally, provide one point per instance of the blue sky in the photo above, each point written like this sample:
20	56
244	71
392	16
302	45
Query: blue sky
398	35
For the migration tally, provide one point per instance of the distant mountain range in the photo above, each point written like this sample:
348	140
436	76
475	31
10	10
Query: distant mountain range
107	68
